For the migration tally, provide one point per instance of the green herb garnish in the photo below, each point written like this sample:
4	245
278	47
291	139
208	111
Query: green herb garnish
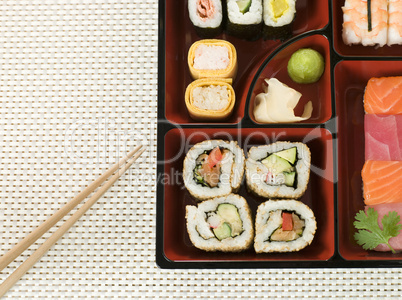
369	233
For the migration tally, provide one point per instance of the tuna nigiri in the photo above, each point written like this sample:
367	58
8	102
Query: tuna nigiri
382	210
384	96
383	137
382	182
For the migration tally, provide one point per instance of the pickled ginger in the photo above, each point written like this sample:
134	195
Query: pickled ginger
277	103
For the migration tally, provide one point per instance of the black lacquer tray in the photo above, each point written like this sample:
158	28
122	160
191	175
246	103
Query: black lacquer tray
334	133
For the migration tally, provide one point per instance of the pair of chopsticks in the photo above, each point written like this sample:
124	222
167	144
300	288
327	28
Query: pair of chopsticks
7	258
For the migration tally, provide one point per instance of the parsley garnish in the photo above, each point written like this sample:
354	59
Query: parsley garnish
369	233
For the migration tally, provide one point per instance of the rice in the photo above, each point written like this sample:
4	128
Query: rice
203	237
256	172
269	219
253	16
213	97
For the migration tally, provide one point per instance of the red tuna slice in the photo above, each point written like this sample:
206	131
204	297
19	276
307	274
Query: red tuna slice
384	209
383	137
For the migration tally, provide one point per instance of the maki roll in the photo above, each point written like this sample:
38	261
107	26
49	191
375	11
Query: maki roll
278	170
212	59
206	16
213	168
210	99
283	226
244	18
278	16
220	224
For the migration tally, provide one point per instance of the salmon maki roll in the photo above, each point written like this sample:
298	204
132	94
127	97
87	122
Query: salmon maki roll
382	182
206	16
384	96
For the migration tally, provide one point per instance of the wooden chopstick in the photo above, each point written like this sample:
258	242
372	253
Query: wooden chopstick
126	162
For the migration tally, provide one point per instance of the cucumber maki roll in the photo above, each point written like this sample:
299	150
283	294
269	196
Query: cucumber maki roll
278	170
213	168
220	224
244	18
278	16
283	226
206	16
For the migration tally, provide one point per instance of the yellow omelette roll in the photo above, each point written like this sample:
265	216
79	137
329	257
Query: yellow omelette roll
210	99
212	59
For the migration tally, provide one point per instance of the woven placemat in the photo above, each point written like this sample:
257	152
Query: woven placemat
78	88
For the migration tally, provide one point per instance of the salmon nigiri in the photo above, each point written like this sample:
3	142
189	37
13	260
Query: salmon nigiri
384	96
382	182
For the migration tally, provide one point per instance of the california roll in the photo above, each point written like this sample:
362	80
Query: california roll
213	168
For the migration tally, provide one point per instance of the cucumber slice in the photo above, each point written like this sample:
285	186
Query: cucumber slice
244	5
276	164
223	231
289	154
289	178
229	213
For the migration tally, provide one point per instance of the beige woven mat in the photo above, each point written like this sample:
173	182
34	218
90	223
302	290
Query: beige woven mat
78	88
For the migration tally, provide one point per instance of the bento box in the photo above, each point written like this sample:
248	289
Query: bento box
328	118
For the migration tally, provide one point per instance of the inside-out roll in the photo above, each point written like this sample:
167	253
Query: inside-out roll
283	226
278	170
206	16
220	224
213	168
212	59
210	99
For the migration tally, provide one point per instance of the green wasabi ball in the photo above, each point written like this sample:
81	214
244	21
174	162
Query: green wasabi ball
306	66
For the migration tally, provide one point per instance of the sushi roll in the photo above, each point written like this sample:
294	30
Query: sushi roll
283	226
206	17
244	18
278	170
220	224
213	168
210	99
212	59
278	16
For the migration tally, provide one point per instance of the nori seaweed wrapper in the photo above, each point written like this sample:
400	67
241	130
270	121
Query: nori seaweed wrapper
277	33
249	32
208	32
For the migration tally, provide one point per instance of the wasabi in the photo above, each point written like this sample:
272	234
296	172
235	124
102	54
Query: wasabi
306	66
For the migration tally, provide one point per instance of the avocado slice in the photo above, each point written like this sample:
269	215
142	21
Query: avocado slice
276	164
289	178
223	231
289	154
229	213
244	5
